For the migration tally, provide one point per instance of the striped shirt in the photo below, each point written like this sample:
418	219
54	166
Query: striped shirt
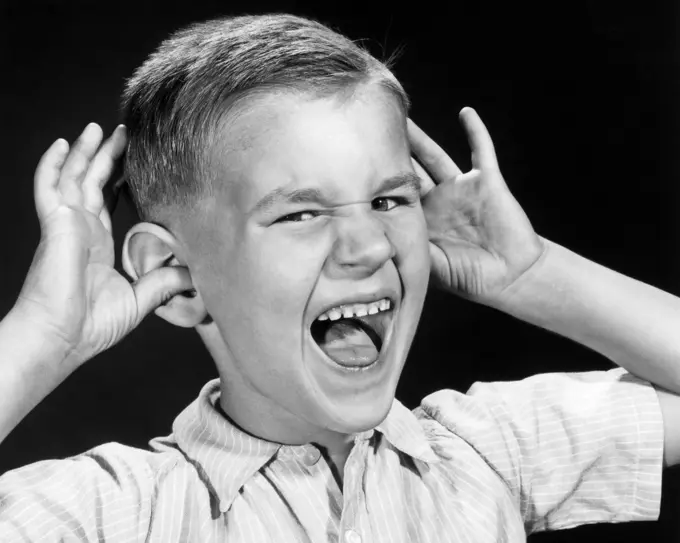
506	459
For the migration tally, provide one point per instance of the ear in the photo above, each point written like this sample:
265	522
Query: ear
149	247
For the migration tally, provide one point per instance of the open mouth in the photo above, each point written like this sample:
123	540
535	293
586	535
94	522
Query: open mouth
352	335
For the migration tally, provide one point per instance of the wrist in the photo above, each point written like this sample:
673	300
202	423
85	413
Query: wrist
566	294
35	341
33	363
536	281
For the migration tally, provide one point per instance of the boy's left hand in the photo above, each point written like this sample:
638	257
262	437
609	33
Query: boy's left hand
481	241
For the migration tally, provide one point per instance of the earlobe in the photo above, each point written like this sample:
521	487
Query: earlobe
149	247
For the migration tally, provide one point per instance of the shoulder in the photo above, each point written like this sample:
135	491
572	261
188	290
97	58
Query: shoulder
111	472
107	489
494	412
112	461
579	391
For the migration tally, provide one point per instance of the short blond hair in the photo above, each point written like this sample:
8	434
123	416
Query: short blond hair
177	97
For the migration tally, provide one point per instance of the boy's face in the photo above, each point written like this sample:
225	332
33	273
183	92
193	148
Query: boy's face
316	206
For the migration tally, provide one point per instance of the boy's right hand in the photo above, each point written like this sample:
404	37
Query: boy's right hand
72	295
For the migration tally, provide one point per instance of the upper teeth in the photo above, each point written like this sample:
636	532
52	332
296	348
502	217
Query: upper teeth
356	310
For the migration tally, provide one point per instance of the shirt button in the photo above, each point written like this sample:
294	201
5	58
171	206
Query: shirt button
312	456
352	537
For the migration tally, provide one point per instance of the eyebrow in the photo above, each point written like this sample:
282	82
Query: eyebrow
408	180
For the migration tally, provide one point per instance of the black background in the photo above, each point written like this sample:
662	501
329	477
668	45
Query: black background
580	98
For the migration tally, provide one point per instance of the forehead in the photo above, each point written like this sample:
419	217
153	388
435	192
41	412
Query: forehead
294	141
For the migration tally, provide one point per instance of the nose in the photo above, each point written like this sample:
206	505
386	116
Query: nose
361	245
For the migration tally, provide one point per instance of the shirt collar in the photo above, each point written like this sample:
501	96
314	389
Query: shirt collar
402	429
229	457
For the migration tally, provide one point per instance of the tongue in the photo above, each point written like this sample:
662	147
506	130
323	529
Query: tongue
346	343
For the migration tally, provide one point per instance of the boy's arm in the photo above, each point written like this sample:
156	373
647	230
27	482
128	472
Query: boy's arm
483	248
30	362
670	409
73	304
633	324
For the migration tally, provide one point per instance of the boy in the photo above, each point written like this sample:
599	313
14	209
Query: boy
270	161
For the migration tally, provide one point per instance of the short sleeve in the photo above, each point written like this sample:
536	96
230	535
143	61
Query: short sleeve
573	448
100	495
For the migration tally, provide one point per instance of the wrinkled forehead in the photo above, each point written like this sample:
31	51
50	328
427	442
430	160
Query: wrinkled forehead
293	139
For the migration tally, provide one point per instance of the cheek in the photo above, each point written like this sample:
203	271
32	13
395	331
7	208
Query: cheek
284	269
408	233
410	239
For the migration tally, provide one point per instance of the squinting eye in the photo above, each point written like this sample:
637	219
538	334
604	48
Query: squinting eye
385	204
300	216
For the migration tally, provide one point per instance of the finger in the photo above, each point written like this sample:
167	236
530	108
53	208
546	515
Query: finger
47	176
483	153
101	168
78	162
105	219
116	188
431	156
158	286
426	183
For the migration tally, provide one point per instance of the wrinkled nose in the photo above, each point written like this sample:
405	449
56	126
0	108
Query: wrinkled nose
362	245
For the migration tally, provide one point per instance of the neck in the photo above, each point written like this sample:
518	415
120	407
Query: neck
259	417
336	460
334	447
263	420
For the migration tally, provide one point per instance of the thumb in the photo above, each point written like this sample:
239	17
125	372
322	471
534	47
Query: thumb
426	182
155	288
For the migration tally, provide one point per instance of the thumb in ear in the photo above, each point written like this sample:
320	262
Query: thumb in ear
157	287
161	283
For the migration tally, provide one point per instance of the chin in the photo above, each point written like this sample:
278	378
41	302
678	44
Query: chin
359	414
